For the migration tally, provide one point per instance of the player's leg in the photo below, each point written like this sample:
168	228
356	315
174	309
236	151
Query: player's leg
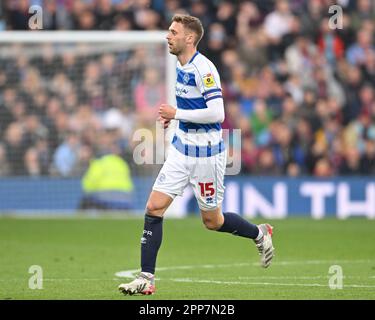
215	219
152	234
229	222
235	224
171	181
158	202
209	191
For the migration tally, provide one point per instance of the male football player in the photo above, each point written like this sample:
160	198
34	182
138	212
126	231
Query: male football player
197	156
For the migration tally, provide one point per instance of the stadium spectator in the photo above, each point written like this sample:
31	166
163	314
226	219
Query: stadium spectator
18	14
266	164
15	148
368	158
330	45
84	119
85	20
104	13
2	21
358	51
289	114
4	164
32	165
149	93
285	147
8	99
368	69
323	168
107	184
312	17
252	51
123	22
44	155
225	15
365	11
56	15
279	22
66	156
171	7
277	25
299	57
260	120
249	155
351	164
216	41
293	170
201	10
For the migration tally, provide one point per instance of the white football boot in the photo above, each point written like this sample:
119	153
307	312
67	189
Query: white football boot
142	284
264	245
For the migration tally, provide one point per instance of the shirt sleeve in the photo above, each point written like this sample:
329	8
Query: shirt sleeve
212	114
208	81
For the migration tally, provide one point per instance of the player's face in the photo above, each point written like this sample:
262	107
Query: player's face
176	38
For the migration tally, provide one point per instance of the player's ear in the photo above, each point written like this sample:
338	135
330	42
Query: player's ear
190	38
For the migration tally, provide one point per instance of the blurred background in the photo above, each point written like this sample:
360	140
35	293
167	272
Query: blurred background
301	92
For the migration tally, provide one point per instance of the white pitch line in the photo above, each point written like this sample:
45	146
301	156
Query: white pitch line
60	279
285	263
267	283
131	273
296	278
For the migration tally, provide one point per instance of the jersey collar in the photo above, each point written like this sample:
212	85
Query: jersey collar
193	57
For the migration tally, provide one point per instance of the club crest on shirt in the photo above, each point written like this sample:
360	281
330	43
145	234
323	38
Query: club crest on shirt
208	80
186	79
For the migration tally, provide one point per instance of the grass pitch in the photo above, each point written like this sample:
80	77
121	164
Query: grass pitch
81	256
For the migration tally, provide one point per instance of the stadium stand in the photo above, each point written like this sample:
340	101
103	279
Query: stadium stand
302	93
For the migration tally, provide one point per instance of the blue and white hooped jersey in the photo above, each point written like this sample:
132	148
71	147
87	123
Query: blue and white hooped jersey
197	83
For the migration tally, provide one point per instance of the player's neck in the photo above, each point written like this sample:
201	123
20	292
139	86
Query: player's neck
185	57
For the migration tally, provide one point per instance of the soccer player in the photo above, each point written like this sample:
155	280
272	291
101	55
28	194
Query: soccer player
197	155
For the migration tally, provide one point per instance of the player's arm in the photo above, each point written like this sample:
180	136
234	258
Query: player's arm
209	85
164	122
212	114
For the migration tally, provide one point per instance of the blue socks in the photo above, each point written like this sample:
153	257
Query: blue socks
235	224
150	242
153	233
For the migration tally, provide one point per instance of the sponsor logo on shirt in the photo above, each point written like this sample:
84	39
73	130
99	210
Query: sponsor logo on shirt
180	91
208	80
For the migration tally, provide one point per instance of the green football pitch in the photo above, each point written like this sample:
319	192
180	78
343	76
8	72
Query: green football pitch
85	258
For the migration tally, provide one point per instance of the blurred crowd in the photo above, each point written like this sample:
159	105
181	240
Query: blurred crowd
297	80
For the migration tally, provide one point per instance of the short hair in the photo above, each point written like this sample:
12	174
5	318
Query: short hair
191	23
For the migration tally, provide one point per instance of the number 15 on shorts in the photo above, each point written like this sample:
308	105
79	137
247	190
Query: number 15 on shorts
207	189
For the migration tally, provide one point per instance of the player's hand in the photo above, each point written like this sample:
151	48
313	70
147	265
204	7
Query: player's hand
167	112
164	122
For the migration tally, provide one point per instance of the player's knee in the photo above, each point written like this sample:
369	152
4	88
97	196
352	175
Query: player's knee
154	209
212	224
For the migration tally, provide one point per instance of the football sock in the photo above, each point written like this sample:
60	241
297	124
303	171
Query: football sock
235	224
150	242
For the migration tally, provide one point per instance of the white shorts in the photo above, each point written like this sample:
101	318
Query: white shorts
204	174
